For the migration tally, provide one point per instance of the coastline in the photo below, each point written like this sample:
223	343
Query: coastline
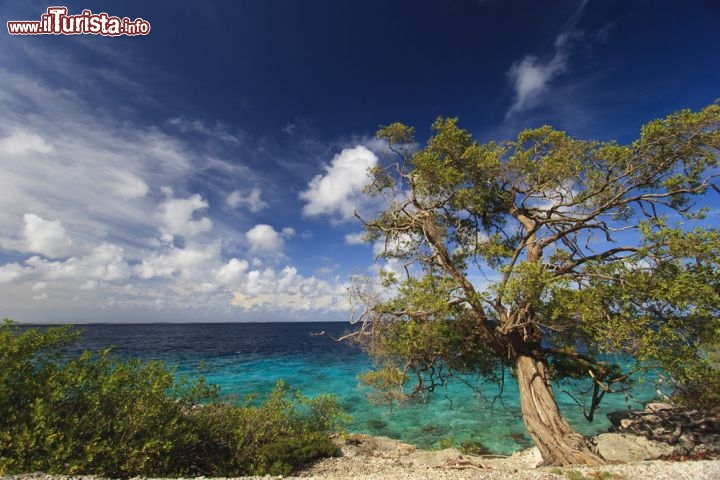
382	458
376	458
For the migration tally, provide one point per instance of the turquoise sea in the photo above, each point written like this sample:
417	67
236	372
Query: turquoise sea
250	357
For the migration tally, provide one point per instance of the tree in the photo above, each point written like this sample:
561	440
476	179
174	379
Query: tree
588	247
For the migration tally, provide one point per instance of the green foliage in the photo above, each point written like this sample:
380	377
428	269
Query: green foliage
577	475
468	447
662	307
284	433
471	447
387	385
444	443
429	350
592	248
92	414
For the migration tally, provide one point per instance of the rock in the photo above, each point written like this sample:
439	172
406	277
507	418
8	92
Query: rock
528	458
618	447
657	406
434	459
368	446
692	433
620	418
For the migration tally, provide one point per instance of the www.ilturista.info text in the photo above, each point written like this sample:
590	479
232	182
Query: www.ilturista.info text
57	22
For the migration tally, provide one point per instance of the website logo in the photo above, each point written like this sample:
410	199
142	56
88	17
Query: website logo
56	21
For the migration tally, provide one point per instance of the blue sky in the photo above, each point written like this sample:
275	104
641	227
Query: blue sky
208	171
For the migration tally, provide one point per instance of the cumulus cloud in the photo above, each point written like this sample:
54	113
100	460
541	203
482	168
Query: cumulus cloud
357	238
288	290
105	262
338	190
264	239
177	216
46	237
231	273
11	272
251	200
189	263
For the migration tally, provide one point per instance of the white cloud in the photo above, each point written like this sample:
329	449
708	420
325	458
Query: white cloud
189	263
176	216
288	290
252	200
355	238
531	76
105	262
217	131
129	185
391	252
264	239
11	272
562	198
47	237
231	272
21	142
92	173
86	217
398	245
89	285
339	190
189	279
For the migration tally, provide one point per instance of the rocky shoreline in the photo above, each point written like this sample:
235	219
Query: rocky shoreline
366	458
660	442
377	458
680	432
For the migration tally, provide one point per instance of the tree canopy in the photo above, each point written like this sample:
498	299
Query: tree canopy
541	254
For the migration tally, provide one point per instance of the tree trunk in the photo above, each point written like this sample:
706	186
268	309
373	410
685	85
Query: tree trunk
559	444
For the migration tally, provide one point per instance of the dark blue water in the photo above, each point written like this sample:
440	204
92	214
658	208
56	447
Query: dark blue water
250	357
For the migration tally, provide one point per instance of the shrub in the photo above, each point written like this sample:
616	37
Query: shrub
286	432
472	447
93	414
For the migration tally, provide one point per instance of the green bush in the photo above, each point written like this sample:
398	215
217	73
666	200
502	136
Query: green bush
286	432
285	455
93	414
472	447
